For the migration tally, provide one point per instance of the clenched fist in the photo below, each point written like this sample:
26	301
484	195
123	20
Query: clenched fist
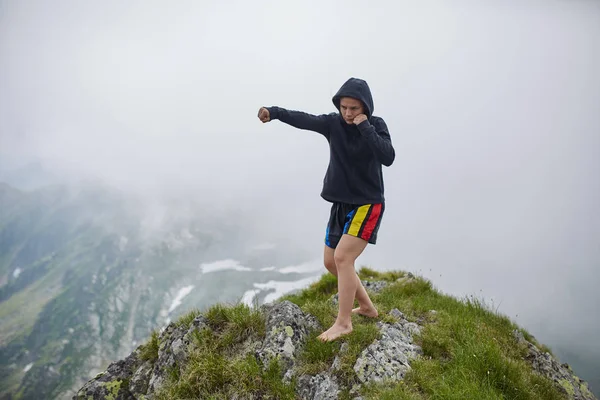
359	118
264	115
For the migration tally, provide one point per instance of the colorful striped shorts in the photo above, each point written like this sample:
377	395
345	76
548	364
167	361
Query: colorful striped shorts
357	220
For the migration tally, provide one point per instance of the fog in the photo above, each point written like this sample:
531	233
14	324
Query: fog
493	109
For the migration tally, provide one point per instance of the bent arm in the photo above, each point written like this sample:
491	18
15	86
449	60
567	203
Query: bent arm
301	120
379	140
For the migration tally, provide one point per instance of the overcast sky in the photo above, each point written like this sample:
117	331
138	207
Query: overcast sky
493	108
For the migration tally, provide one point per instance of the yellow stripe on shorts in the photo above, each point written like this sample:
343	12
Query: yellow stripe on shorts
358	219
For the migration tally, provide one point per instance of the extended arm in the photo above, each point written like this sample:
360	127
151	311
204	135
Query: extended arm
379	140
301	120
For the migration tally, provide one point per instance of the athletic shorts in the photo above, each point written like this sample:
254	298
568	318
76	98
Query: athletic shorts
360	220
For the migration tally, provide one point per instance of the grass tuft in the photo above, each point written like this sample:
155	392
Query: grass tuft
211	373
149	351
318	291
317	356
369	274
235	324
186	319
218	368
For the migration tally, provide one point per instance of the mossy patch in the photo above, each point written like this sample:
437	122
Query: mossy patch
112	389
289	331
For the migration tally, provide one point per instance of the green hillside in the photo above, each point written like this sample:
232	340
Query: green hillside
460	350
82	279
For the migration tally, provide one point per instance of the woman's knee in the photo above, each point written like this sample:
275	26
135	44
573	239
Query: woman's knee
342	259
329	261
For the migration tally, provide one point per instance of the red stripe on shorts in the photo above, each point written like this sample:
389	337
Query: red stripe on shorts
372	222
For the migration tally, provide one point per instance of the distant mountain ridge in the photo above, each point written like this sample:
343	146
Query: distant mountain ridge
29	176
86	273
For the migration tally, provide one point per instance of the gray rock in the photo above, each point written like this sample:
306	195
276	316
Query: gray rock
375	286
336	365
399	315
287	329
112	383
389	357
408	278
199	323
319	387
172	353
175	345
562	375
138	384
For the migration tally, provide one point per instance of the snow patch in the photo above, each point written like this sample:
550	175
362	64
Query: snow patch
16	273
27	367
283	287
184	291
223	265
310	266
249	296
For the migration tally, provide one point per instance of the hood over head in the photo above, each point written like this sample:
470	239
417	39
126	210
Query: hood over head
357	89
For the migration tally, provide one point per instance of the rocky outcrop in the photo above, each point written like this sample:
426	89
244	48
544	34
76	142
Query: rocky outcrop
287	329
114	382
388	358
135	377
322	386
544	364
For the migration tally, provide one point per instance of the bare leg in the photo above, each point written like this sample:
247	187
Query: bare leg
345	255
365	305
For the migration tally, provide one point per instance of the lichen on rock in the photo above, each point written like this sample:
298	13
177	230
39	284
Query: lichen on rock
113	383
388	358
319	387
287	328
544	364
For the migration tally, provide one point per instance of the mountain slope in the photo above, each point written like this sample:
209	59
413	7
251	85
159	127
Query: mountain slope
424	345
86	273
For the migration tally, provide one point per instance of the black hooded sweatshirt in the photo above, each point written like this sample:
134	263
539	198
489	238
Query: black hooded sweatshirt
357	152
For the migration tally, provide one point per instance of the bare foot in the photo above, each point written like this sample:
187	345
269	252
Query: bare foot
367	312
334	332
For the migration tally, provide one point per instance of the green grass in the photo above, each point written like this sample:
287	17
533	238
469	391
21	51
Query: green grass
19	313
187	318
469	349
218	369
149	351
